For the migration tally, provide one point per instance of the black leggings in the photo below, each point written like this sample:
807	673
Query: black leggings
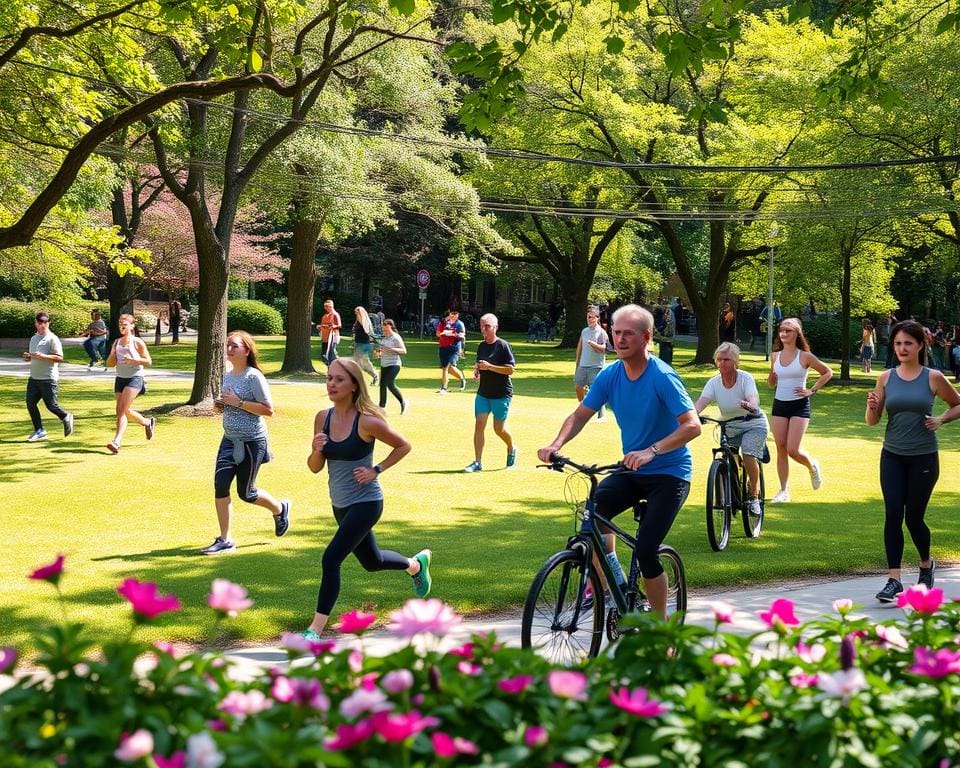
354	534
665	495
907	483
388	378
254	454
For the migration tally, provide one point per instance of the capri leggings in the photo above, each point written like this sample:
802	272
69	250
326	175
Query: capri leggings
665	495
388	379
354	534
254	454
907	483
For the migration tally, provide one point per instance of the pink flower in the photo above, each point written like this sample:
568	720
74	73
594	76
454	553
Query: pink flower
811	654
842	684
301	692
940	663
227	598
447	746
202	751
145	601
567	684
398	681
51	572
536	736
423	617
400	726
921	599
362	701
176	760
604	762
168	649
722	612
801	679
637	702
349	736
724	660
355	661
243	703
515	685
780	614
464	651
892	637
355	622
843	606
296	642
469	668
134	746
8	657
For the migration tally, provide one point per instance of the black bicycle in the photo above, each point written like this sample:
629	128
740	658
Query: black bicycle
728	489
565	614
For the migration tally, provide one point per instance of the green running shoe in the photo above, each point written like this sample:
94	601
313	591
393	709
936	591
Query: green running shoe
421	579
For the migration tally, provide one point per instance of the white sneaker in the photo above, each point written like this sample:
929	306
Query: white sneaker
816	479
753	507
781	497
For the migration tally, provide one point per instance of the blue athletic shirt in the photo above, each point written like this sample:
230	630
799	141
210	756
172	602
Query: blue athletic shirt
646	411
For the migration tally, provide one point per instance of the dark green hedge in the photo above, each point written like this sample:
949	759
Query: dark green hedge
253	317
824	336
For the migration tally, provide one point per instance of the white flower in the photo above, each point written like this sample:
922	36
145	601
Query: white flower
842	684
891	636
363	700
202	752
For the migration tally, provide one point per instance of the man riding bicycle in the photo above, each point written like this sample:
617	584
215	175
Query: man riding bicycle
656	419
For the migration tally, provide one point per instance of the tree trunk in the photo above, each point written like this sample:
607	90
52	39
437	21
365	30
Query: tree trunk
300	286
212	308
575	299
120	292
845	280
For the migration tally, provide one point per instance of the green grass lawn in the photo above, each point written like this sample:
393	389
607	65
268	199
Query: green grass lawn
147	511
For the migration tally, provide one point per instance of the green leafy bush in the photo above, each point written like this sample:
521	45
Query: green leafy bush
837	691
16	318
824	336
145	321
254	317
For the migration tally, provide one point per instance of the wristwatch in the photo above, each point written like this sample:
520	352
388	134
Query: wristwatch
377	468
656	449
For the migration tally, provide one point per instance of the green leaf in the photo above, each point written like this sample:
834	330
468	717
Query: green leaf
614	45
254	61
404	7
520	47
499	712
502	11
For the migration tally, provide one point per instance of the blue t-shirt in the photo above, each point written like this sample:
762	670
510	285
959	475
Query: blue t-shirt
646	411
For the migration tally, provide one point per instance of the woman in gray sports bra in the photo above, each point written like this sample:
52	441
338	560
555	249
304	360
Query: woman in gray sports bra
343	442
909	461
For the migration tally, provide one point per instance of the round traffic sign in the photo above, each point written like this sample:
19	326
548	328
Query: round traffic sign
423	278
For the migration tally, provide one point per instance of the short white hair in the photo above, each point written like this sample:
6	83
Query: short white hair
643	317
491	318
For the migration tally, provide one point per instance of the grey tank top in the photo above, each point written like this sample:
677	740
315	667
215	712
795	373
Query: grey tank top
907	403
342	458
125	369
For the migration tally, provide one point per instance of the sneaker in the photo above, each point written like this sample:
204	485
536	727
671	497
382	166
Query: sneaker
310	635
587	603
403	407
474	466
113	448
68	425
781	498
753	507
463	383
421	579
281	522
816	479
91	364
889	593
926	574
40	434
512	457
219	545
442	391
149	427
374	380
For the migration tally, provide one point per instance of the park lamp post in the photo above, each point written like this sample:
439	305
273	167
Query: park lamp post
774	230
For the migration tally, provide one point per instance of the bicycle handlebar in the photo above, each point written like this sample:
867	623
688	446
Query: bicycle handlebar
748	417
558	462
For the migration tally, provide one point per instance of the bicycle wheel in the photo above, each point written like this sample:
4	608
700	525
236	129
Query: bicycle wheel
718	506
752	522
676	585
558	622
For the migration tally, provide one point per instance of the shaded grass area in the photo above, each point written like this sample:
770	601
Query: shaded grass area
147	511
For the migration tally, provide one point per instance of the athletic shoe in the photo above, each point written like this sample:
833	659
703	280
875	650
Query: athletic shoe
281	522
403	407
781	498
474	466
310	636
113	448
40	434
374	380
926	575
149	427
91	364
68	425
463	383
816	479
753	507
421	579
442	391
512	457
219	545
889	593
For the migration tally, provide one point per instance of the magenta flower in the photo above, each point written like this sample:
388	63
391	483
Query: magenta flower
51	572
465	651
638	703
398	681
400	726
243	703
348	736
842	684
134	746
227	598
536	736
801	679
515	685
362	701
780	614
145	601
355	622
8	657
419	617
567	684
445	745
604	762
892	637
297	643
176	760
301	692
928	663
724	660
921	599
722	612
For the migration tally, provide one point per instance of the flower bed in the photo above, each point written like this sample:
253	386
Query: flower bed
835	692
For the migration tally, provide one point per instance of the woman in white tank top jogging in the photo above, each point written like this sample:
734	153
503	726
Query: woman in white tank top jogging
129	354
790	365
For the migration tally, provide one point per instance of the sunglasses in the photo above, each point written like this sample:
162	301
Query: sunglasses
231	345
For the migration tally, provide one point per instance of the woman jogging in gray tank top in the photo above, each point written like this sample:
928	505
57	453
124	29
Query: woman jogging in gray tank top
129	354
909	461
343	441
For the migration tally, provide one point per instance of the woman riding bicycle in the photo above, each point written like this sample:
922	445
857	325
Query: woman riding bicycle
735	393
